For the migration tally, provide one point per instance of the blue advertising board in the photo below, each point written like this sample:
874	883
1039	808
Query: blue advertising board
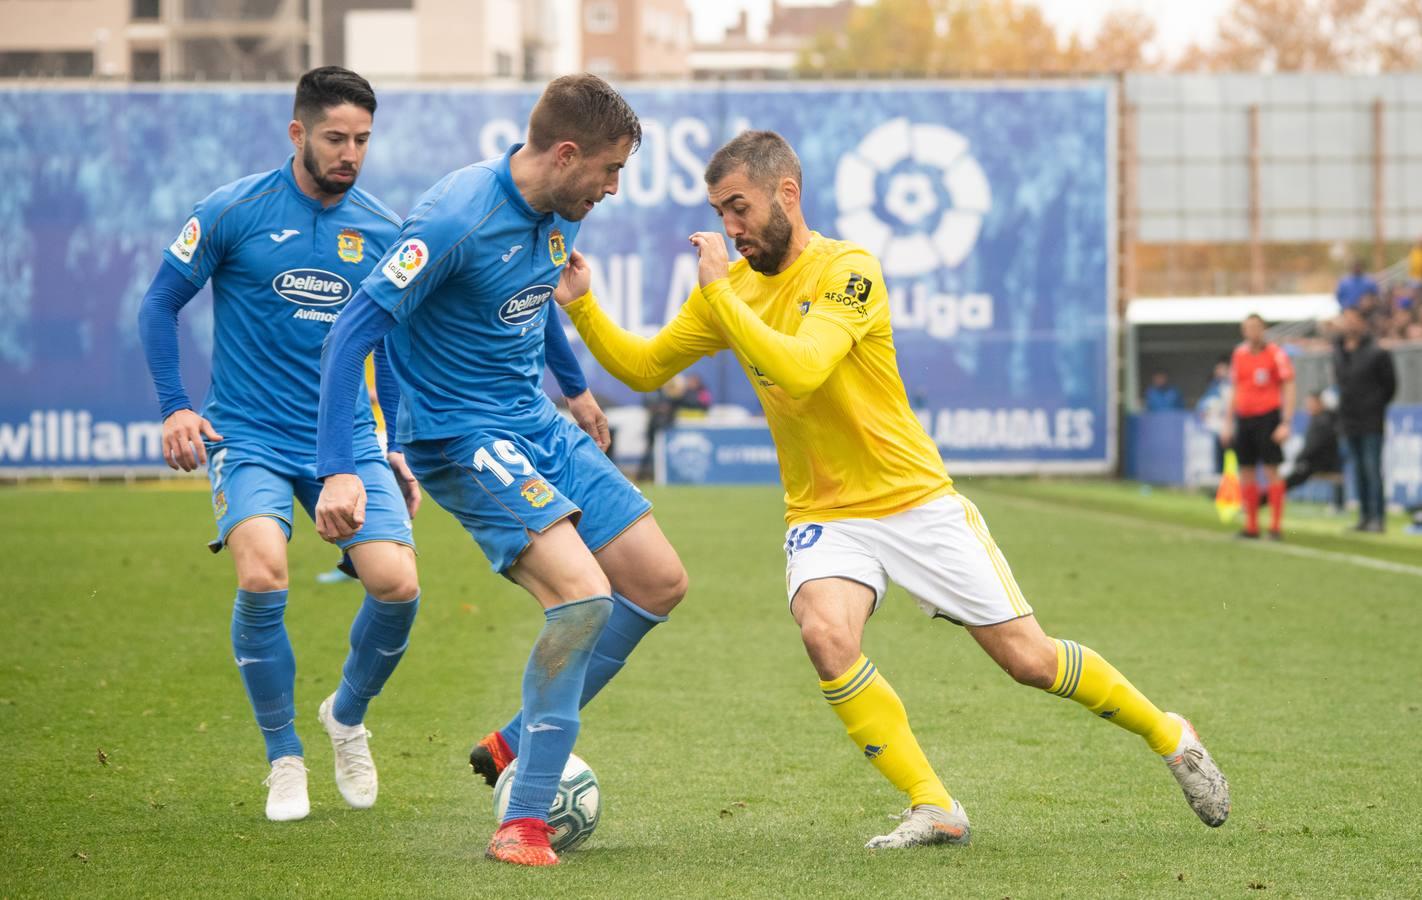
1173	448
989	207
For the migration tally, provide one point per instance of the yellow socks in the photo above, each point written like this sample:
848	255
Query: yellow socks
876	721
1083	676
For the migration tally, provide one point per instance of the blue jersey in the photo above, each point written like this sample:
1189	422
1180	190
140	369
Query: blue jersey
470	283
282	267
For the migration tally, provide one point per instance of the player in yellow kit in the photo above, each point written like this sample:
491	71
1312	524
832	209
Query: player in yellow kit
868	499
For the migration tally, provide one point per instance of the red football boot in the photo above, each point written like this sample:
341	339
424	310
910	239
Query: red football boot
523	842
491	756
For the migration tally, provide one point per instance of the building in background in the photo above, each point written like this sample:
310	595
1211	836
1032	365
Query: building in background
637	38
742	54
152	40
276	40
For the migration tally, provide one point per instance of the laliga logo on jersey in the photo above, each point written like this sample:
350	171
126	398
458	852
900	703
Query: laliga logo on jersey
187	240
933	202
406	262
522	308
312	287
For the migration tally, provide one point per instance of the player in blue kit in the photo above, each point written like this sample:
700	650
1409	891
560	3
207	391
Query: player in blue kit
283	250
464	296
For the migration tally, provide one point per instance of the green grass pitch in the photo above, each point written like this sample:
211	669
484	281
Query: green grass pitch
132	767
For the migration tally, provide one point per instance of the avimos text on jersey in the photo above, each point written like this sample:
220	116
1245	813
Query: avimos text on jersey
312	287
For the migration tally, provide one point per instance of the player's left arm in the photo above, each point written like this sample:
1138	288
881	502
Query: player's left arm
1289	396
574	385
340	511
847	298
387	391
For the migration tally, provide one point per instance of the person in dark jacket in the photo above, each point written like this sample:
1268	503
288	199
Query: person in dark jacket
1319	457
1366	384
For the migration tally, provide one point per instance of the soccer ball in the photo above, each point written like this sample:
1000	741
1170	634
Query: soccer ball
576	807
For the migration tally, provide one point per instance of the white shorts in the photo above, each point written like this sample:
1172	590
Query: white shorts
940	552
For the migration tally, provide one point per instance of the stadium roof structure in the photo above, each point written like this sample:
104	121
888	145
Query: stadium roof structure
1210	310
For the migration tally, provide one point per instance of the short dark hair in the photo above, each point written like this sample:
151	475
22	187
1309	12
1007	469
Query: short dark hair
320	89
583	109
1256	316
766	156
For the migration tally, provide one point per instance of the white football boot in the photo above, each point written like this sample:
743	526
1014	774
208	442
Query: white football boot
924	825
355	770
1205	787
286	794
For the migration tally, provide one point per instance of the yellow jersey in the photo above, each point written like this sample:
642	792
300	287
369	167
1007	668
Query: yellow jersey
816	344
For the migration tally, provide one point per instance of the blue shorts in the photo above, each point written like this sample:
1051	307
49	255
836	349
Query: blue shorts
504	487
249	480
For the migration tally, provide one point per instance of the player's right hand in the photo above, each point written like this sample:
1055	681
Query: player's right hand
1226	436
183	434
340	511
575	280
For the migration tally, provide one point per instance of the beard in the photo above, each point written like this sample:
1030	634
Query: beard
773	243
326	185
570	204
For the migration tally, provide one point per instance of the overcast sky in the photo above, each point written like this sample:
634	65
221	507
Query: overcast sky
1178	22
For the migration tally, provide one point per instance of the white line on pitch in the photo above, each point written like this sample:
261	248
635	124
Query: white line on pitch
1366	562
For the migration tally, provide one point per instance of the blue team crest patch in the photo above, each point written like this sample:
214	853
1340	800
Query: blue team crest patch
557	249
523	307
312	287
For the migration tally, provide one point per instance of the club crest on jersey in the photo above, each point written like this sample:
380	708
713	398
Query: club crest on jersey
187	240
219	503
406	262
557	249
522	308
350	246
537	492
311	287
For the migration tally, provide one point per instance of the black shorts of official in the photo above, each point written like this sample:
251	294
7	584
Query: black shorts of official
1254	442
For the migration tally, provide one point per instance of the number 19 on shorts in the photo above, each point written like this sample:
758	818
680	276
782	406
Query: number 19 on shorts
506	451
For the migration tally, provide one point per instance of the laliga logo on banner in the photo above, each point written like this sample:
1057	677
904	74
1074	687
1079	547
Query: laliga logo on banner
921	163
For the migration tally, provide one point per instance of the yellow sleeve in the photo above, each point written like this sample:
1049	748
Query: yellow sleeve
645	364
848	299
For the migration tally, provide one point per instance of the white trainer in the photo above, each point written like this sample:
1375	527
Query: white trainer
355	770
1205	787
286	794
924	825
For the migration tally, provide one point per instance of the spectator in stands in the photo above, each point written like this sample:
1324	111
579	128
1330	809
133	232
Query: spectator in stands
1414	264
1354	287
1213	405
1162	395
1377	317
1414	328
1319	457
1366	384
1398	324
662	407
696	396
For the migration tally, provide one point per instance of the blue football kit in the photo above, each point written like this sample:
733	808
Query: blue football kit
469	286
282	267
462	300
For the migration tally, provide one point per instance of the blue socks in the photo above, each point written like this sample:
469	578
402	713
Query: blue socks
627	625
553	684
379	636
267	666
